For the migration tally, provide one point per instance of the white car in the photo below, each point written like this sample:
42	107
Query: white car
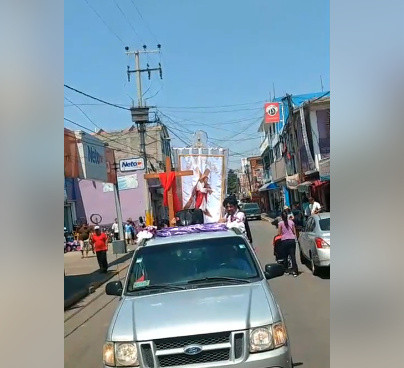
314	242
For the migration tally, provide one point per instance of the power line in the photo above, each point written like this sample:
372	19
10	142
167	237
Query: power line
83	112
141	16
187	143
108	139
109	28
234	140
126	18
95	98
211	107
219	111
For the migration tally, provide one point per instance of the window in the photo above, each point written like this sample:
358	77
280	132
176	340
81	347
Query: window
325	224
323	125
178	263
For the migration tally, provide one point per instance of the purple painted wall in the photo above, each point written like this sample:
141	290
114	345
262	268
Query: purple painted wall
95	200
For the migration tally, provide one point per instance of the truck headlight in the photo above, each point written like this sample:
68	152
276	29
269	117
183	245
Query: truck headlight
126	355
268	337
279	334
122	354
261	339
108	354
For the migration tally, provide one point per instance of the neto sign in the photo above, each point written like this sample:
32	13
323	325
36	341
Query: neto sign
131	164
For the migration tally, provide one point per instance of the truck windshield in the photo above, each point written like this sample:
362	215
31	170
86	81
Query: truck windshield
179	263
251	206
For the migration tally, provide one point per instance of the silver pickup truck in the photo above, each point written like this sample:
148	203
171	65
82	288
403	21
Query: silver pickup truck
197	300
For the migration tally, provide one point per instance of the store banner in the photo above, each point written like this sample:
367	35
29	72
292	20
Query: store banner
272	114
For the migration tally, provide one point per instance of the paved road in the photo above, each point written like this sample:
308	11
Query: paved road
304	301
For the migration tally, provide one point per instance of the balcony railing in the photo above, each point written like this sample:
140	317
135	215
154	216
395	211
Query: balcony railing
264	144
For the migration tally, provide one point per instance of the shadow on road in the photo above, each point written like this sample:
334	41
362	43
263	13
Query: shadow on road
73	284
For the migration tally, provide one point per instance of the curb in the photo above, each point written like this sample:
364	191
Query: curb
75	298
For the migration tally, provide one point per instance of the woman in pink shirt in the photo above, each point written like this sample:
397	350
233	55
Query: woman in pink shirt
286	229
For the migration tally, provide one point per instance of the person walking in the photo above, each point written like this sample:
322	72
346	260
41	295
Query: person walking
286	228
128	233
84	234
115	229
99	242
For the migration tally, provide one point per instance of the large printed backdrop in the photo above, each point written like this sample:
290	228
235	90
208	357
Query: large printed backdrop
199	163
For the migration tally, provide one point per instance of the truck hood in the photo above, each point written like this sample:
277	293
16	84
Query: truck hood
194	311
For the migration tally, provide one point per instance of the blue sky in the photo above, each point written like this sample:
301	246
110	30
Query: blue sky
214	54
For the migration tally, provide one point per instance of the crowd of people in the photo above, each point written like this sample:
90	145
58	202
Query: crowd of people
92	238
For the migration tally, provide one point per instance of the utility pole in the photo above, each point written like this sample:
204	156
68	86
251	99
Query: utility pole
140	114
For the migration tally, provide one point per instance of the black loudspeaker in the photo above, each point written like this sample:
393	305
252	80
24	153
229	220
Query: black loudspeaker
189	217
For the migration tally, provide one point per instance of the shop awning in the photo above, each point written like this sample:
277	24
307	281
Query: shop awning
302	187
268	186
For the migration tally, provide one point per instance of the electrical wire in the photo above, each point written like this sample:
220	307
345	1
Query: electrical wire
147	26
83	112
187	143
132	150
219	111
211	107
105	23
95	98
127	19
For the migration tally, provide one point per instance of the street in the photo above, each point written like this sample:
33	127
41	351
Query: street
305	303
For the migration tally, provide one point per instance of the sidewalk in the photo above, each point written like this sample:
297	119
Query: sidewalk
82	276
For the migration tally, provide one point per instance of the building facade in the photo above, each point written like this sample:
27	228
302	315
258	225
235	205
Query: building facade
296	152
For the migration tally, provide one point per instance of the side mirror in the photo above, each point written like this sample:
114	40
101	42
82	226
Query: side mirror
114	288
273	270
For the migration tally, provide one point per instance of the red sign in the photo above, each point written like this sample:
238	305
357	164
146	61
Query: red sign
272	112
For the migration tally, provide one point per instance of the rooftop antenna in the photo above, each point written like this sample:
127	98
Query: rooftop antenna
321	80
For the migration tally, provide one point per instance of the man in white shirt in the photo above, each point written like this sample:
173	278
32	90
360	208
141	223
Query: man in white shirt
314	206
233	217
115	229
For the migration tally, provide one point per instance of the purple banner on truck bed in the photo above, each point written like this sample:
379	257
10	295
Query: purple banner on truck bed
191	229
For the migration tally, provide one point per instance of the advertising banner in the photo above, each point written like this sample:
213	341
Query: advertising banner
272	114
92	157
131	164
206	188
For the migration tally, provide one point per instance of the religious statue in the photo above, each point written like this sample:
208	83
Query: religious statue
199	195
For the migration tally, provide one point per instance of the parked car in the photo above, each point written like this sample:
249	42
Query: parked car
314	242
251	210
197	299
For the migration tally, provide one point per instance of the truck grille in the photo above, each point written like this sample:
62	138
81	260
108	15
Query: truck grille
204	357
166	357
180	342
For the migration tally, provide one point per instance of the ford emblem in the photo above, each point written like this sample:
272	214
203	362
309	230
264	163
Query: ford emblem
192	349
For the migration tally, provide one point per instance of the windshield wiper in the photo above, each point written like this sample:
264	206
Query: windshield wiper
215	279
156	287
